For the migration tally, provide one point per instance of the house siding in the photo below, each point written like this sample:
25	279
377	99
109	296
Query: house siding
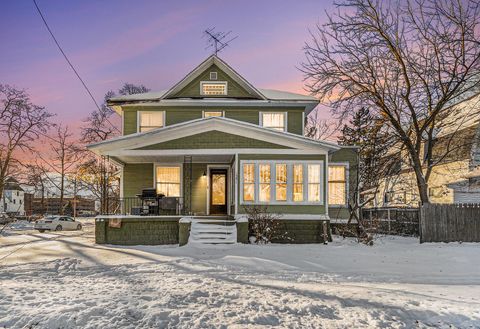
213	140
174	115
192	90
137	177
286	209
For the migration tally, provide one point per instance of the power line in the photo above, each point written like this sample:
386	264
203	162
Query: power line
70	63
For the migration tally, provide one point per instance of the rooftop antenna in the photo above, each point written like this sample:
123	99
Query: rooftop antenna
217	40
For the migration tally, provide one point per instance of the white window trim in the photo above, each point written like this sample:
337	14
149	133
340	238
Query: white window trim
347	185
168	164
203	112
214	81
216	75
140	112
285	118
289	164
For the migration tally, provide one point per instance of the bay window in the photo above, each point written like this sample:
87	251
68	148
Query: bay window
337	185
168	180
286	182
148	120
274	120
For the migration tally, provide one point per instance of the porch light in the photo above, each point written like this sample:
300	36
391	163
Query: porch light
204	174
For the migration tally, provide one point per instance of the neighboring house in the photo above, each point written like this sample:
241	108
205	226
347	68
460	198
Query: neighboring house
52	206
456	177
12	201
218	144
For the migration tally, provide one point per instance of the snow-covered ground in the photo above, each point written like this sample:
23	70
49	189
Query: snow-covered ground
64	280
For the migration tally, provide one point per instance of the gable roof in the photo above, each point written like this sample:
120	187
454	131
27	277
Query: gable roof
262	96
193	127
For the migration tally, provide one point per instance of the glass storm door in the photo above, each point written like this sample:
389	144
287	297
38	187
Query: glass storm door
218	191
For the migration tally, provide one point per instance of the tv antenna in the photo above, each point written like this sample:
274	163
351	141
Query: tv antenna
217	40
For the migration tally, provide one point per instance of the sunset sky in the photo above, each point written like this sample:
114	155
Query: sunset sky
154	43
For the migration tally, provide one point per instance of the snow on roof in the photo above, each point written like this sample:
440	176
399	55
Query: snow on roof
270	94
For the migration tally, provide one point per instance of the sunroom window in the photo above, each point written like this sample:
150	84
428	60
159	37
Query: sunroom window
168	180
298	182
281	182
264	187
274	120
148	120
314	182
249	182
337	185
214	88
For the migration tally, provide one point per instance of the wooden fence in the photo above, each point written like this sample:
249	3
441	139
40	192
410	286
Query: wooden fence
450	222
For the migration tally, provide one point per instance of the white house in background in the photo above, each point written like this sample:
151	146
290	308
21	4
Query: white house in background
12	201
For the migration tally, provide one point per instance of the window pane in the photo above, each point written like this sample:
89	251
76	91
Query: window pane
281	192
297	192
218	189
336	173
151	120
281	182
313	192
264	173
249	173
248	192
298	173
336	193
213	114
274	120
264	195
168	181
313	173
214	88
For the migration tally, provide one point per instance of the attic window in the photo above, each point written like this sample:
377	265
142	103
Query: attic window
213	75
213	88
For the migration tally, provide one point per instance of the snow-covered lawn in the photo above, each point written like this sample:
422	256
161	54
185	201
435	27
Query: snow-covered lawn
64	280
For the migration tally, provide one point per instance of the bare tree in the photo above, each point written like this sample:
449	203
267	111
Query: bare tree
407	61
21	123
131	89
321	129
60	161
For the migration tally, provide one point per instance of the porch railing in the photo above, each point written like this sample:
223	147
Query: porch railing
145	206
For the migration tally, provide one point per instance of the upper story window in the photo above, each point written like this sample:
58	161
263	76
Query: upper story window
213	88
337	184
274	120
213	75
148	120
208	114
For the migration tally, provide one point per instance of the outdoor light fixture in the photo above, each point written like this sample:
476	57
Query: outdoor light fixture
204	174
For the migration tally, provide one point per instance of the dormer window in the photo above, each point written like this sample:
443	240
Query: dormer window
213	88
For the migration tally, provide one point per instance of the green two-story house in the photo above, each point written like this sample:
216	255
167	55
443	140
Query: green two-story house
212	146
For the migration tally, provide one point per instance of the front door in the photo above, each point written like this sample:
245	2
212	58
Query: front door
218	191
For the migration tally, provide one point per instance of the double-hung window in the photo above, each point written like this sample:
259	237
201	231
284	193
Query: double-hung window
274	120
298	182
281	182
248	182
314	183
337	185
265	182
148	120
168	180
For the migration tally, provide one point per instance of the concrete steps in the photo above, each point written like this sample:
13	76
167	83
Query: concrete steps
213	231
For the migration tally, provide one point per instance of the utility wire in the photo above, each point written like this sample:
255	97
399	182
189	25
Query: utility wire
70	63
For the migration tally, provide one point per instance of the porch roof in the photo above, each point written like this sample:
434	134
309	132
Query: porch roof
131	145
